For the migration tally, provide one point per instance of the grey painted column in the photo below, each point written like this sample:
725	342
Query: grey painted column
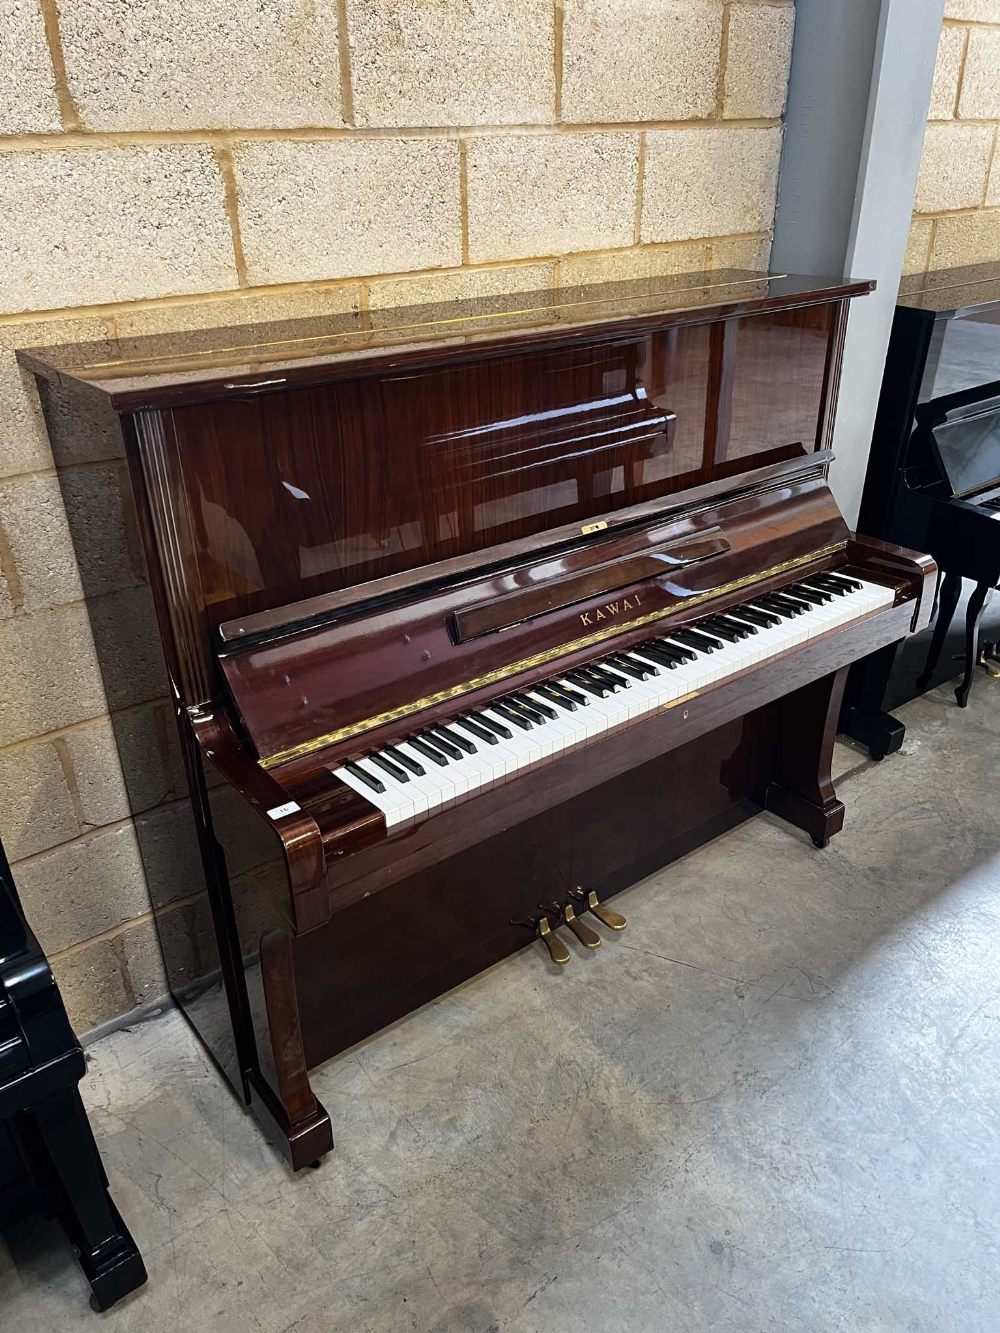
857	107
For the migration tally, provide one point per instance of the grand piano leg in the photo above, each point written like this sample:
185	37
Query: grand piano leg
63	1157
978	603
801	789
951	591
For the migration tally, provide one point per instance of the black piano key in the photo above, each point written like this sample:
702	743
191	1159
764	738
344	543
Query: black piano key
818	596
456	738
845	580
723	631
436	738
477	729
680	651
573	698
661	654
765	619
511	715
428	751
837	587
783	607
558	696
394	770
404	760
615	678
498	727
589	683
704	643
633	666
369	779
731	618
533	710
538	703
524	710
789	596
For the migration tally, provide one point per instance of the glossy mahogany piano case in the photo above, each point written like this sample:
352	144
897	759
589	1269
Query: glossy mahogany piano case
576	547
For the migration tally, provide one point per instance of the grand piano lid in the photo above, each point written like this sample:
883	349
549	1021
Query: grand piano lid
951	292
259	357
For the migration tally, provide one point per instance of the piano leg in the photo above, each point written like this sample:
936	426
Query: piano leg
978	603
951	591
863	718
281	1096
64	1160
801	788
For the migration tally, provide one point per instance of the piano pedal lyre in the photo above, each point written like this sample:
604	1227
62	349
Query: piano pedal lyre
606	915
588	938
558	952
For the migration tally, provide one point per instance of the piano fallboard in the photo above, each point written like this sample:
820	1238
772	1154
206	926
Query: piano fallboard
298	692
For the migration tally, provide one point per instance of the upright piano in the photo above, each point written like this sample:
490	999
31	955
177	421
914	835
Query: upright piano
472	615
933	477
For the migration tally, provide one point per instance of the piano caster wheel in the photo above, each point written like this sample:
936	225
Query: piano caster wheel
821	842
315	1166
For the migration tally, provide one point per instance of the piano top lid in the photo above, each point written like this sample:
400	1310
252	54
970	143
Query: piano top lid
210	363
951	292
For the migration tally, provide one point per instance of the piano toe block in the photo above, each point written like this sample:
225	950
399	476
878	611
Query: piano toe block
821	820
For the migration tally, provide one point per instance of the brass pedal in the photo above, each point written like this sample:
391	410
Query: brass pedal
557	949
606	915
587	937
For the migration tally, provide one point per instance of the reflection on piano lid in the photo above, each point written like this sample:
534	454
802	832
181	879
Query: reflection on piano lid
473	617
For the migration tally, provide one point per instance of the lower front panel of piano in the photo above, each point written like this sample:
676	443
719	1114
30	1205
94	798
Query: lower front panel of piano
385	955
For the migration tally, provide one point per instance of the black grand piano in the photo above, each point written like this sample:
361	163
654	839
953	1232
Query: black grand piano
933	479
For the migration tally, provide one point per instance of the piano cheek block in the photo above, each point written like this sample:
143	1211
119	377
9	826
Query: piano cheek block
415	622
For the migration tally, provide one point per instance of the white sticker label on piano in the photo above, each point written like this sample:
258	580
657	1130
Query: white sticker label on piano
289	808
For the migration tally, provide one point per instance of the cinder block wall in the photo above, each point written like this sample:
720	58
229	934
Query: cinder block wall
956	212
173	165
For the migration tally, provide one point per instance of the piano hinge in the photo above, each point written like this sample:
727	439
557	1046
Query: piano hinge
539	659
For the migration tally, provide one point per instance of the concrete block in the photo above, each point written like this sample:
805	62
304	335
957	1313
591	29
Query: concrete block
980	97
947	69
741	252
918	246
634	60
709	182
623	265
33	513
37	809
83	888
340	208
993	184
112	224
92	984
551	194
982	11
953	167
24	445
147	980
758	57
222	64
50	673
454	62
478	287
128	646
28	102
123	768
968	238
246	312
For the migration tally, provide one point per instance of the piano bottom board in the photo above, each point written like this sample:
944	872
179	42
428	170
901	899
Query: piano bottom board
384	956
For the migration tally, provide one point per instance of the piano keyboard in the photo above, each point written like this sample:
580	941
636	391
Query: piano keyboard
483	747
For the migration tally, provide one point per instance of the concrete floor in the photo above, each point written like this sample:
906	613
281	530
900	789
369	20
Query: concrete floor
771	1104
